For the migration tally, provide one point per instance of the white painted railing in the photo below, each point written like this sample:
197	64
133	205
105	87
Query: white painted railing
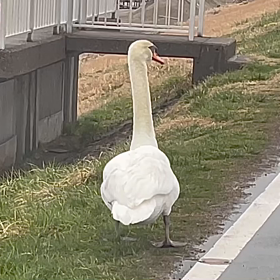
18	10
24	16
44	13
162	16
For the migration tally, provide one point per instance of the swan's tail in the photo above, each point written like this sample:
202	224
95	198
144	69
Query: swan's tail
135	215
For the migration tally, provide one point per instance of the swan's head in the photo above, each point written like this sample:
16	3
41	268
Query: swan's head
144	50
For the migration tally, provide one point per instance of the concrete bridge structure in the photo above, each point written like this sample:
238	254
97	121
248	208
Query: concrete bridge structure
40	44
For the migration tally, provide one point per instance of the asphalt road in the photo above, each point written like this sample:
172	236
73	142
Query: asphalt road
260	258
250	248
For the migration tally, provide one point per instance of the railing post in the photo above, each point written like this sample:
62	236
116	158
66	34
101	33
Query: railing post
58	7
143	11
192	20
113	16
105	15
130	12
97	10
31	20
155	15
83	11
201	18
3	12
70	16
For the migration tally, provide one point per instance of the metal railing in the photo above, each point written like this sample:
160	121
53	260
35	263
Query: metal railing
162	16
25	16
19	10
45	13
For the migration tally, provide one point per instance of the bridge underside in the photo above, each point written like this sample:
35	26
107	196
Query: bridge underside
210	55
38	80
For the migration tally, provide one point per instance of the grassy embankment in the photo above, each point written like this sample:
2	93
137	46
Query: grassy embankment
53	222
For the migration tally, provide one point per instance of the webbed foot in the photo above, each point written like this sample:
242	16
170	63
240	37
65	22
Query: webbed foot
169	244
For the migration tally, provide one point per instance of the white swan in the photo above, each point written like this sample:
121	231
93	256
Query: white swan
139	185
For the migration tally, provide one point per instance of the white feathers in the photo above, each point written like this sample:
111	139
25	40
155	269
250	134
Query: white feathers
138	182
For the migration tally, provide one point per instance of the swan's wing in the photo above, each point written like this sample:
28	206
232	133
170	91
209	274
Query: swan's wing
136	176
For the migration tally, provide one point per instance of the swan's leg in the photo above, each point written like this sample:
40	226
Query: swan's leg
118	235
167	241
117	228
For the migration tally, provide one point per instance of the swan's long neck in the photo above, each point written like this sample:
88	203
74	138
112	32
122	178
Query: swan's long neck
143	127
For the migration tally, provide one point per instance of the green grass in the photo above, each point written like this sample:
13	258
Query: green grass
266	40
270	46
55	226
233	105
93	125
255	71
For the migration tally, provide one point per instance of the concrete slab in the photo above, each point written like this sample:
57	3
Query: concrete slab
113	42
50	127
25	58
7	110
49	87
8	151
22	84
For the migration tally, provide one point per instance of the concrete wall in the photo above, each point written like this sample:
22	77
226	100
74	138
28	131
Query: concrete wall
38	80
35	106
8	137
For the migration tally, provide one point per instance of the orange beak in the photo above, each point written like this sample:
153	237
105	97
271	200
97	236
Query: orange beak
157	58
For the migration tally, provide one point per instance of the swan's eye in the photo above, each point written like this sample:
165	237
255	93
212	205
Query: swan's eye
153	49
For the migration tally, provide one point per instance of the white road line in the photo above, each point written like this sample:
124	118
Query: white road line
238	235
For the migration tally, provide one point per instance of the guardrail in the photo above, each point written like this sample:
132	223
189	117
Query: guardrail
162	16
25	16
19	10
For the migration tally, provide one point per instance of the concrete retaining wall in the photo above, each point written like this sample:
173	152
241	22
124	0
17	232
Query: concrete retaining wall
35	106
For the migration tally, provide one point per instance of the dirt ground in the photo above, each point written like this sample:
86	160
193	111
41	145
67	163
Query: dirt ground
224	20
105	77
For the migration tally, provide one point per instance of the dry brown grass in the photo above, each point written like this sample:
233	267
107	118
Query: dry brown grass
181	122
250	87
234	17
264	59
44	193
11	229
103	78
265	87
